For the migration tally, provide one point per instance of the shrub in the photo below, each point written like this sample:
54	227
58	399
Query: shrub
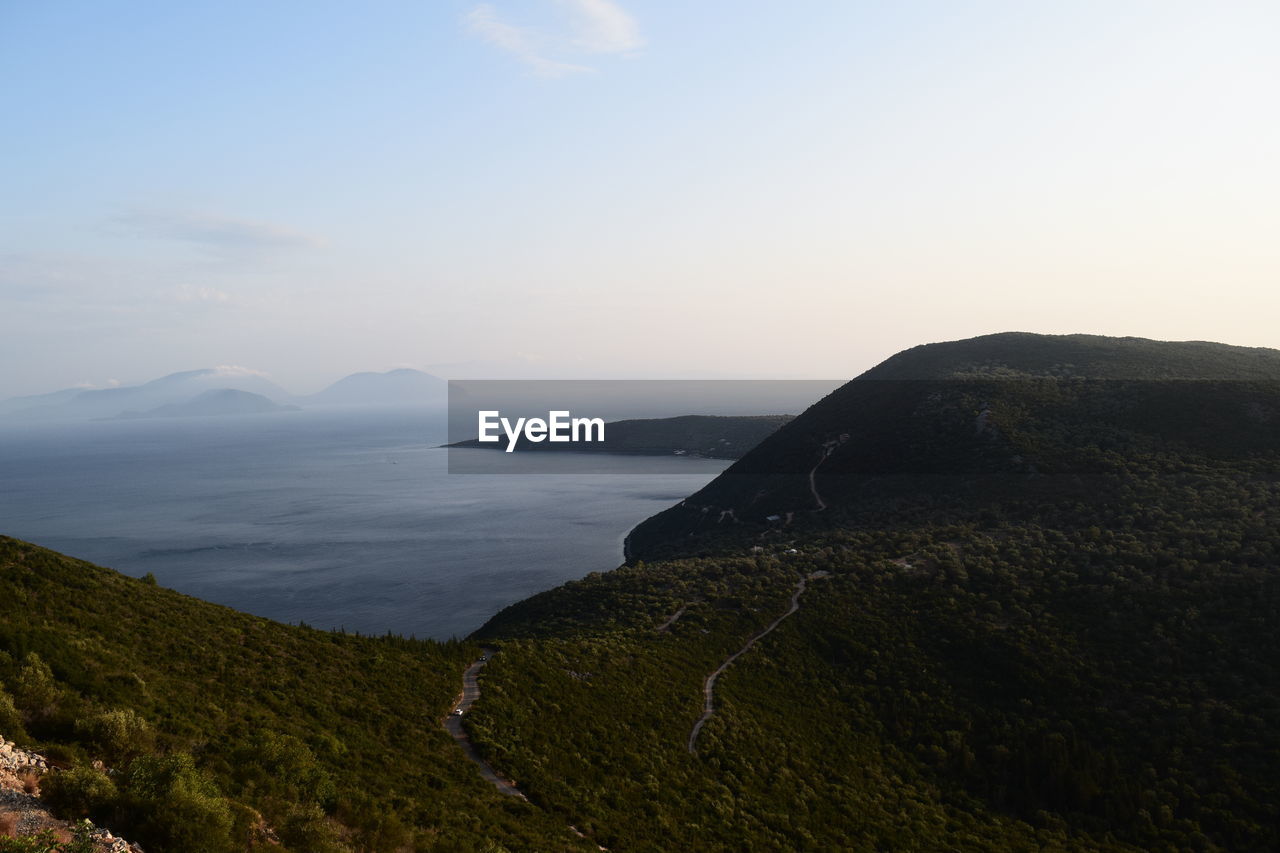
30	780
47	842
283	766
11	725
119	735
307	828
374	826
36	693
173	806
79	792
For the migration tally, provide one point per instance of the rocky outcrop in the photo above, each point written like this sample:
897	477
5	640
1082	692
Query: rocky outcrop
16	760
22	813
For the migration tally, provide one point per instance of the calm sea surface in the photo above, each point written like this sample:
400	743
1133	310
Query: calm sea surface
338	520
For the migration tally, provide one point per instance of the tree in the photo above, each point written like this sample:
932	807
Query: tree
174	806
79	792
10	719
119	735
36	692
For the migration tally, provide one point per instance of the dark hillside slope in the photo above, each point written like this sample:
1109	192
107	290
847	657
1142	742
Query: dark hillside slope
985	416
1021	355
1050	618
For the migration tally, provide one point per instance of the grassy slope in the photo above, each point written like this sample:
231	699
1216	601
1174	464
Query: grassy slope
210	679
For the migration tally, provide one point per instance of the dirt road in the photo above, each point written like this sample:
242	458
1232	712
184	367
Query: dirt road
708	689
453	724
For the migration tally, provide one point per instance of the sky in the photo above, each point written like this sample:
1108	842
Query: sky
591	188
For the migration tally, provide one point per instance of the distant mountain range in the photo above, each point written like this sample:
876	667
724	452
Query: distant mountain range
216	391
222	401
403	386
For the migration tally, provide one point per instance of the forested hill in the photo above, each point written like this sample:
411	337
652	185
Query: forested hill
985	416
1021	355
223	731
1040	610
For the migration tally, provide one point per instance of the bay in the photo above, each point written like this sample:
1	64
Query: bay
340	520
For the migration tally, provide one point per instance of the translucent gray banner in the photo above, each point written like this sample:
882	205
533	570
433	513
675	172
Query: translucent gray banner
615	426
1002	426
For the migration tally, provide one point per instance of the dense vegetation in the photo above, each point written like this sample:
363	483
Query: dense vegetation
225	730
958	419
999	681
1042	612
1052	619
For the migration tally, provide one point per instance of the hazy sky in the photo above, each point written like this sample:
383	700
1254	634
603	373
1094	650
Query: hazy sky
624	188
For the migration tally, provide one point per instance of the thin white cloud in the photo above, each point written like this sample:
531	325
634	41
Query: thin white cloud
602	26
520	42
237	370
219	234
596	27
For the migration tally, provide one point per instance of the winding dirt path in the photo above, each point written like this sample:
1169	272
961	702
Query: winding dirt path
666	626
453	724
827	449
708	689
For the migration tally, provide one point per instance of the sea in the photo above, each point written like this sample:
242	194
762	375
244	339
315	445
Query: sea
341	520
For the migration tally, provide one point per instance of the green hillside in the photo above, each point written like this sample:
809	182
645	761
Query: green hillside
1014	593
216	717
993	418
1020	355
1052	619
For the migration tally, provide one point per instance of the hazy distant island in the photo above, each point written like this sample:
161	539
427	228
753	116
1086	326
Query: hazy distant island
223	390
708	436
402	386
215	403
